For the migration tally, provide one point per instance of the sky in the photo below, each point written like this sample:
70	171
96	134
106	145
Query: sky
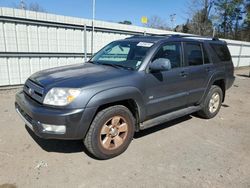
113	10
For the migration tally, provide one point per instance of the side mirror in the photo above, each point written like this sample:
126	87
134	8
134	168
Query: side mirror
160	64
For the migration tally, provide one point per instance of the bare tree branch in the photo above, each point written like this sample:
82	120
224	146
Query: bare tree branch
157	23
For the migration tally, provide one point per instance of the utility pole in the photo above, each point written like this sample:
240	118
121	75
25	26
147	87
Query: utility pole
93	27
214	31
172	19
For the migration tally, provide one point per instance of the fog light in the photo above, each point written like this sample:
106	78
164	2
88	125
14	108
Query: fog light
60	129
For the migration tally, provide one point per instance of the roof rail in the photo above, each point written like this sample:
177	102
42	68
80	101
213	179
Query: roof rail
133	36
183	36
195	36
150	34
177	36
161	35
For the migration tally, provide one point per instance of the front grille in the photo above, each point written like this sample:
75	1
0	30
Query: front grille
34	90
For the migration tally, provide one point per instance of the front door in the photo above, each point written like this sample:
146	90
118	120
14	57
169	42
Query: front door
167	90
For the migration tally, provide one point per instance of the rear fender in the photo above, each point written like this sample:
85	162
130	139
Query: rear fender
214	77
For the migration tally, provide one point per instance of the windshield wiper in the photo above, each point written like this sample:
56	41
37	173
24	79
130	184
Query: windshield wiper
117	66
90	62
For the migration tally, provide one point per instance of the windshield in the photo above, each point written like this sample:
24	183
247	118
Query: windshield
124	54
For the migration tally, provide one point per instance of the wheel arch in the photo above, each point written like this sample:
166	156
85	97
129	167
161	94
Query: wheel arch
129	97
216	79
221	83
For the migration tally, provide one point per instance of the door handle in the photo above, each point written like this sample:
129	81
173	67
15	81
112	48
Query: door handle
183	74
208	69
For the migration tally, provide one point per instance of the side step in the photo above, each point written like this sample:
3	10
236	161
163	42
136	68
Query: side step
168	117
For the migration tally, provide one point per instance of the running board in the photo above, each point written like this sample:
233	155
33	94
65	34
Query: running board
168	117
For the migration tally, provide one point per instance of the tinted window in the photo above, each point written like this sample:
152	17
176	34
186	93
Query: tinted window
221	51
194	54
206	59
172	52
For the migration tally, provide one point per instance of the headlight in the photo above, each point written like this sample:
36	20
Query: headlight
61	96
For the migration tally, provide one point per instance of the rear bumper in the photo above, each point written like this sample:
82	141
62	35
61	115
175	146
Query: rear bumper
76	121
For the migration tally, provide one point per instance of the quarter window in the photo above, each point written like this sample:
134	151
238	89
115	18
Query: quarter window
221	51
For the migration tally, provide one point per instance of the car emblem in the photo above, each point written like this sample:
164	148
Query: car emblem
31	91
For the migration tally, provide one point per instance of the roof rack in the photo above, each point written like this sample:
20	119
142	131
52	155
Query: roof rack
151	35
183	36
161	35
195	36
178	36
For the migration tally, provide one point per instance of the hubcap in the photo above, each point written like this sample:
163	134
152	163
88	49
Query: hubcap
214	102
114	133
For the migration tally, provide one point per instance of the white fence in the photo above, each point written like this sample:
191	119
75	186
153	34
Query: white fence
33	41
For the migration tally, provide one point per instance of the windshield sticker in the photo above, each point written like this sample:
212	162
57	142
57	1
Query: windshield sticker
145	44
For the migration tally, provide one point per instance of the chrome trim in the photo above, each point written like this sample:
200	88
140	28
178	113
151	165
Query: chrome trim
25	120
37	92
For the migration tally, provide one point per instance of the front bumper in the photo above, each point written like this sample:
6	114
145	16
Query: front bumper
76	121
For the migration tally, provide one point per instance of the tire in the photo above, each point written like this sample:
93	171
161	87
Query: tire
110	133
210	106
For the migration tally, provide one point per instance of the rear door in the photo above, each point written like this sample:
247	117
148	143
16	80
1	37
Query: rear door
199	68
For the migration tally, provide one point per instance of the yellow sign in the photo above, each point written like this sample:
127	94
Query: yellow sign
144	20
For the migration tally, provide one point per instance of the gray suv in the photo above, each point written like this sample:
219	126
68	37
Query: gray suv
127	86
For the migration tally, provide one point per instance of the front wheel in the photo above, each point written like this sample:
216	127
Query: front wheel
110	132
212	103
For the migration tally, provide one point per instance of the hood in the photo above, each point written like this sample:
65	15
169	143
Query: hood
77	75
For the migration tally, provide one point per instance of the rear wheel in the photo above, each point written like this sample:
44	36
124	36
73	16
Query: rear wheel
212	103
110	132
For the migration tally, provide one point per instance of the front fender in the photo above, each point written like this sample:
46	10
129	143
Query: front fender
118	94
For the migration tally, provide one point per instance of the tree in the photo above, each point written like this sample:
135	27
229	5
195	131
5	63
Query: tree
245	33
36	7
247	17
183	28
230	13
200	23
126	22
157	23
33	6
231	18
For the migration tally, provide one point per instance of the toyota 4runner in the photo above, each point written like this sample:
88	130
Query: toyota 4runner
127	86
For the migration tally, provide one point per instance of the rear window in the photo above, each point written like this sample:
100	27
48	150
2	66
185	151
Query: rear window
221	51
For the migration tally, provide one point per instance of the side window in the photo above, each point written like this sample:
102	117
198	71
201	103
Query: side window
194	54
171	52
221	51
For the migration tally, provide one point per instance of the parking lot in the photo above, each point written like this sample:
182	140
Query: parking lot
187	152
